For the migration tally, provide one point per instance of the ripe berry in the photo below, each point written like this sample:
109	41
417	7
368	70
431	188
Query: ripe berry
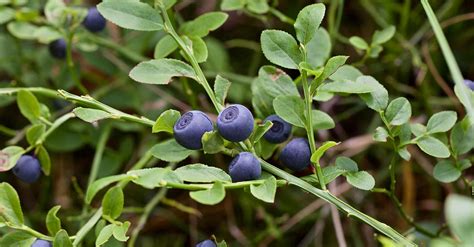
235	123
27	169
469	84
57	48
245	166
280	130
206	243
296	155
94	21
41	243
190	128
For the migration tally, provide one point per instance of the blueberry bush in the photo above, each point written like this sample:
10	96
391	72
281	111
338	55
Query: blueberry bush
236	123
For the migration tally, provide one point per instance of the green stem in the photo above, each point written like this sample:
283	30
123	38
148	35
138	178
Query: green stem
27	229
54	126
133	56
168	27
341	205
70	65
87	227
144	217
309	123
7	131
284	18
104	136
36	90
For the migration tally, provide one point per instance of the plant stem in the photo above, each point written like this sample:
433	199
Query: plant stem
54	126
36	90
392	194
309	123
144	217
133	56
284	18
168	27
70	64
341	205
87	227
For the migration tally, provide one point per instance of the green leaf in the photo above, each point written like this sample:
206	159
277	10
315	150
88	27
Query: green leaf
403	152
170	151
318	49
316	156
321	120
445	171
166	121
53	223
99	184
291	109
9	156
433	147
332	65
131	15
161	71
205	23
270	83
120	231
210	196
358	43
459	211
199	49
308	21
164	47
361	180
44	159
462	137
230	5
258	6
22	30
260	131
17	239
200	173
363	84
398	111
441	122
281	49
376	100
62	239
346	72
212	142
202	25
265	191
6	14
346	164
104	235
154	177
29	105
10	207
91	115
221	87
383	36
112	203
47	34
375	51
380	134
34	133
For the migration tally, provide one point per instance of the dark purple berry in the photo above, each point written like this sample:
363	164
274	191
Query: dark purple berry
190	128
41	243
235	123
94	21
27	169
280	130
206	243
296	155
244	167
57	48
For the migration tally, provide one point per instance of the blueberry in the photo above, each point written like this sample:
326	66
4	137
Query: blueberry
469	84
41	243
235	123
94	21
280	130
245	166
27	169
57	48
190	128
206	243
296	155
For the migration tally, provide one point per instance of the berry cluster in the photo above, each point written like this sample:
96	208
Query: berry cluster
94	22
236	123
